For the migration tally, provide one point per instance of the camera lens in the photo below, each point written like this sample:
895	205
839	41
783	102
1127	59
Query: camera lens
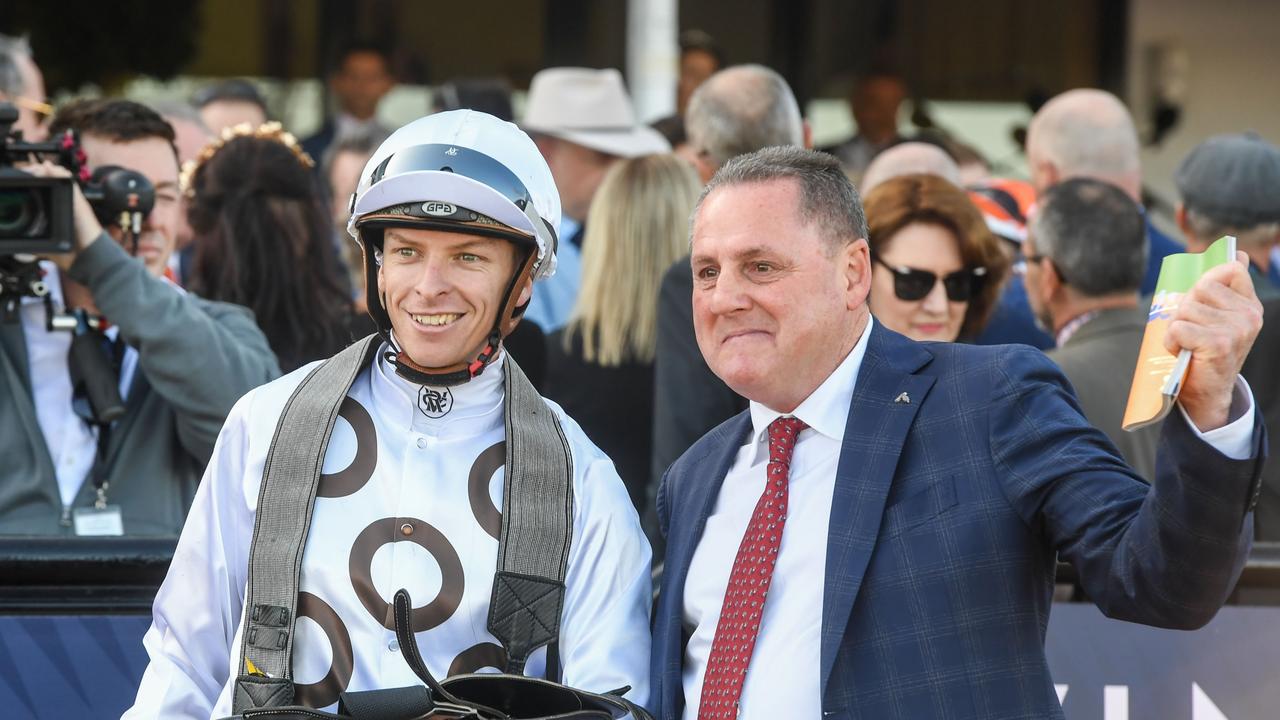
21	212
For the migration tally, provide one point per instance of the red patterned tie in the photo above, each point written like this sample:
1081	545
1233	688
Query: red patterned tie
744	598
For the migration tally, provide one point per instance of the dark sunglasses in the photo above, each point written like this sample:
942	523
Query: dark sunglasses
912	284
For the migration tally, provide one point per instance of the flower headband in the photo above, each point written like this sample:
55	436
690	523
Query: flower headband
267	131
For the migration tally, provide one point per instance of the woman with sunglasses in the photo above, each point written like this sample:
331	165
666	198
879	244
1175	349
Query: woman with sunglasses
936	269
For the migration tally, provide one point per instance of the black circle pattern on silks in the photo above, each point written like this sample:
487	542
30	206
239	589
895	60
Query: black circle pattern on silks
478	657
356	475
325	692
424	535
482	470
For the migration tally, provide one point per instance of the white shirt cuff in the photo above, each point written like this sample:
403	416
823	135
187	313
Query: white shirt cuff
1235	439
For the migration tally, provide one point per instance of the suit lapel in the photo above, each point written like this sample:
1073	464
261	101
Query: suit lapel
879	418
15	377
14	346
687	521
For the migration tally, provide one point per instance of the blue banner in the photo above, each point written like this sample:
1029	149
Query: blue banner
88	666
57	667
1110	670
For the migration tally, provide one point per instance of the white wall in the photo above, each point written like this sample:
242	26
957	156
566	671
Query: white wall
1232	80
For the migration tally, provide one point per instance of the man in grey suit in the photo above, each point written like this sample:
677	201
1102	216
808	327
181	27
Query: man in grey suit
1228	187
1086	252
179	362
739	110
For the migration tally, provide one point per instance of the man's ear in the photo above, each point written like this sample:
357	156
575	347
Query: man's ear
1044	174
702	164
1180	217
808	134
1052	172
685	152
1050	281
855	263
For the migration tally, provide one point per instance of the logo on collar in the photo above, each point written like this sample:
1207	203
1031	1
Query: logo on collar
435	403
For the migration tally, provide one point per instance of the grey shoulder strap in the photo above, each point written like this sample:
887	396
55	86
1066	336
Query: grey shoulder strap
285	501
533	550
537	525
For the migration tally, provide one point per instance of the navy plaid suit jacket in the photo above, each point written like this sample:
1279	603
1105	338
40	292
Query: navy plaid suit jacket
949	514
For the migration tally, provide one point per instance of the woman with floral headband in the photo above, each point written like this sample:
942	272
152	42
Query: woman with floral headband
263	240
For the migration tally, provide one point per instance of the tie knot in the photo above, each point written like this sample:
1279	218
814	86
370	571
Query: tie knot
782	438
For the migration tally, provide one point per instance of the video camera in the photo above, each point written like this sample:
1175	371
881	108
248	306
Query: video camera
37	217
36	212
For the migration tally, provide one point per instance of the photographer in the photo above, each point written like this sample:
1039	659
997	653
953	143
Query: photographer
180	361
22	84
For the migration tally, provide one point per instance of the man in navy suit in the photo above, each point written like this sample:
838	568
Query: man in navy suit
876	536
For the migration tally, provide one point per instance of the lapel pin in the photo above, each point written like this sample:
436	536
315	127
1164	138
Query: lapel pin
903	399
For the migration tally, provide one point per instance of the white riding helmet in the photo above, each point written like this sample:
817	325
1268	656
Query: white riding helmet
461	171
472	177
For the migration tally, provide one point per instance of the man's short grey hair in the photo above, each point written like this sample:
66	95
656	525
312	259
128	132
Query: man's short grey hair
910	158
12	49
1088	132
1207	229
1094	234
827	196
740	110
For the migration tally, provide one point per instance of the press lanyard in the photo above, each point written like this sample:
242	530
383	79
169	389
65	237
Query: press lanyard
102	518
99	472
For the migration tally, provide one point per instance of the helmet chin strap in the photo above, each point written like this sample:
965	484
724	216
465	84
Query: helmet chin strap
409	370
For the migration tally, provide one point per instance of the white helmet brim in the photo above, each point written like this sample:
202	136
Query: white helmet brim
469	160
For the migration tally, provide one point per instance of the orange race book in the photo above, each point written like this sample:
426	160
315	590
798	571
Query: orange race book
1159	375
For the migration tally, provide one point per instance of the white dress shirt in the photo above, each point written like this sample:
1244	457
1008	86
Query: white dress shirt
783	678
783	681
72	442
421	475
348	126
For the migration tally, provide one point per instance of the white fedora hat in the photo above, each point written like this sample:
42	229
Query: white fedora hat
589	108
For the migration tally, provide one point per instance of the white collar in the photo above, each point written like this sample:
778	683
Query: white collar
826	410
470	408
347	125
1073	326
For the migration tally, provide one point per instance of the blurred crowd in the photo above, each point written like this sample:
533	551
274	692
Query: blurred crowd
245	269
